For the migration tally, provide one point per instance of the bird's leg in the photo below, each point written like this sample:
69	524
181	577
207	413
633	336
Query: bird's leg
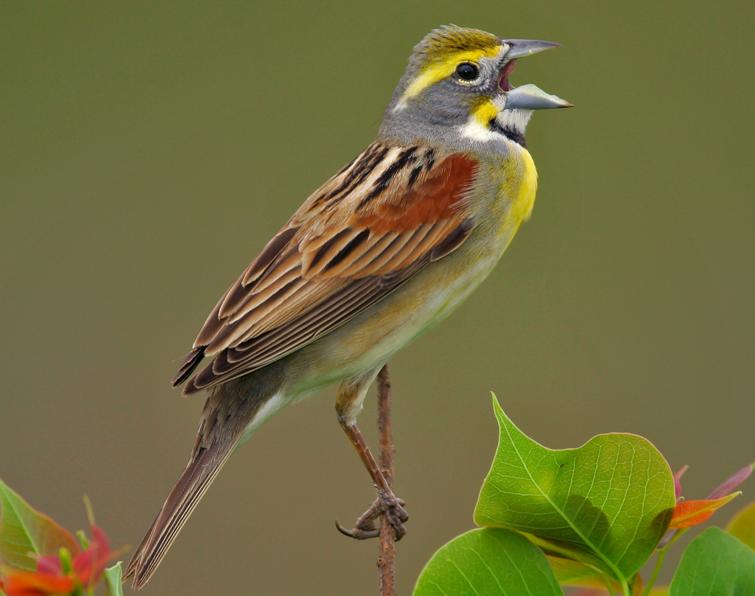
351	394
386	503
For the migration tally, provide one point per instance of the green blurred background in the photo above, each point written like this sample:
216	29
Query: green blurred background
149	150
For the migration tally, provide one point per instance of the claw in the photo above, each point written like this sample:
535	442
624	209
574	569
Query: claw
387	505
357	533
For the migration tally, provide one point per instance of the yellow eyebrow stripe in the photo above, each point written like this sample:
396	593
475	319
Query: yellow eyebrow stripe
437	71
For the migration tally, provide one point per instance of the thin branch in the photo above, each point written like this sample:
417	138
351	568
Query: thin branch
386	562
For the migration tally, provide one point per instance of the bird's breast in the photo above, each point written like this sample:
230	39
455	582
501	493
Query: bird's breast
515	176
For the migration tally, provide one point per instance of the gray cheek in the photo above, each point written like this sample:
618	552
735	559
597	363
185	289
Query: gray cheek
436	116
445	103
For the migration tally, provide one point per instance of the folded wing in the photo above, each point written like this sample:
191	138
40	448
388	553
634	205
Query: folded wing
358	238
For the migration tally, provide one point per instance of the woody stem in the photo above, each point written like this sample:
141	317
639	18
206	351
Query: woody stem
387	554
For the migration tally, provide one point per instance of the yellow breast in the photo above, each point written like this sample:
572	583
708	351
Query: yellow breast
517	189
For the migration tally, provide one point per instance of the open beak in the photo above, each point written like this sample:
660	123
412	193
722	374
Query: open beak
530	97
519	48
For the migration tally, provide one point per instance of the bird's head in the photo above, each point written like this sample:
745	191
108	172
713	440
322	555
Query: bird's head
457	83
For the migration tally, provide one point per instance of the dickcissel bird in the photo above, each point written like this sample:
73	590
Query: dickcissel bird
386	248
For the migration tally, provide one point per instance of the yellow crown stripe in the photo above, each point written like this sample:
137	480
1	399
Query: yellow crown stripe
437	71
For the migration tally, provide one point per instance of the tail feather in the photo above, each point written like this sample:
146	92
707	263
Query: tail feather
181	502
229	410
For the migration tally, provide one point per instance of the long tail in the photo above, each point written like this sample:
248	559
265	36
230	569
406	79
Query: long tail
226	416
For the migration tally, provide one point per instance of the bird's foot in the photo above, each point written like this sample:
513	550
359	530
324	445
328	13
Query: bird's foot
386	505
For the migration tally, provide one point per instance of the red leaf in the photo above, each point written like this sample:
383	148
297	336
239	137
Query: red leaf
693	513
89	564
49	565
678	481
731	483
30	583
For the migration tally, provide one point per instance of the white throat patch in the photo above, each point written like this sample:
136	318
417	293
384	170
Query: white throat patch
514	120
511	120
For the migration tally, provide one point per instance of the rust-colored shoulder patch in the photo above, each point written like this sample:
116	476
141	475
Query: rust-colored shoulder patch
436	197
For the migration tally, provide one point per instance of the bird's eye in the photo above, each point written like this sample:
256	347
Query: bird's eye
467	71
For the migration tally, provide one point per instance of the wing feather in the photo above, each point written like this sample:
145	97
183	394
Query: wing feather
366	232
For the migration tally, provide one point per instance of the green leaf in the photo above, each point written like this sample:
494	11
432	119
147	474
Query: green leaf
715	563
113	579
606	503
742	525
579	575
490	562
25	532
